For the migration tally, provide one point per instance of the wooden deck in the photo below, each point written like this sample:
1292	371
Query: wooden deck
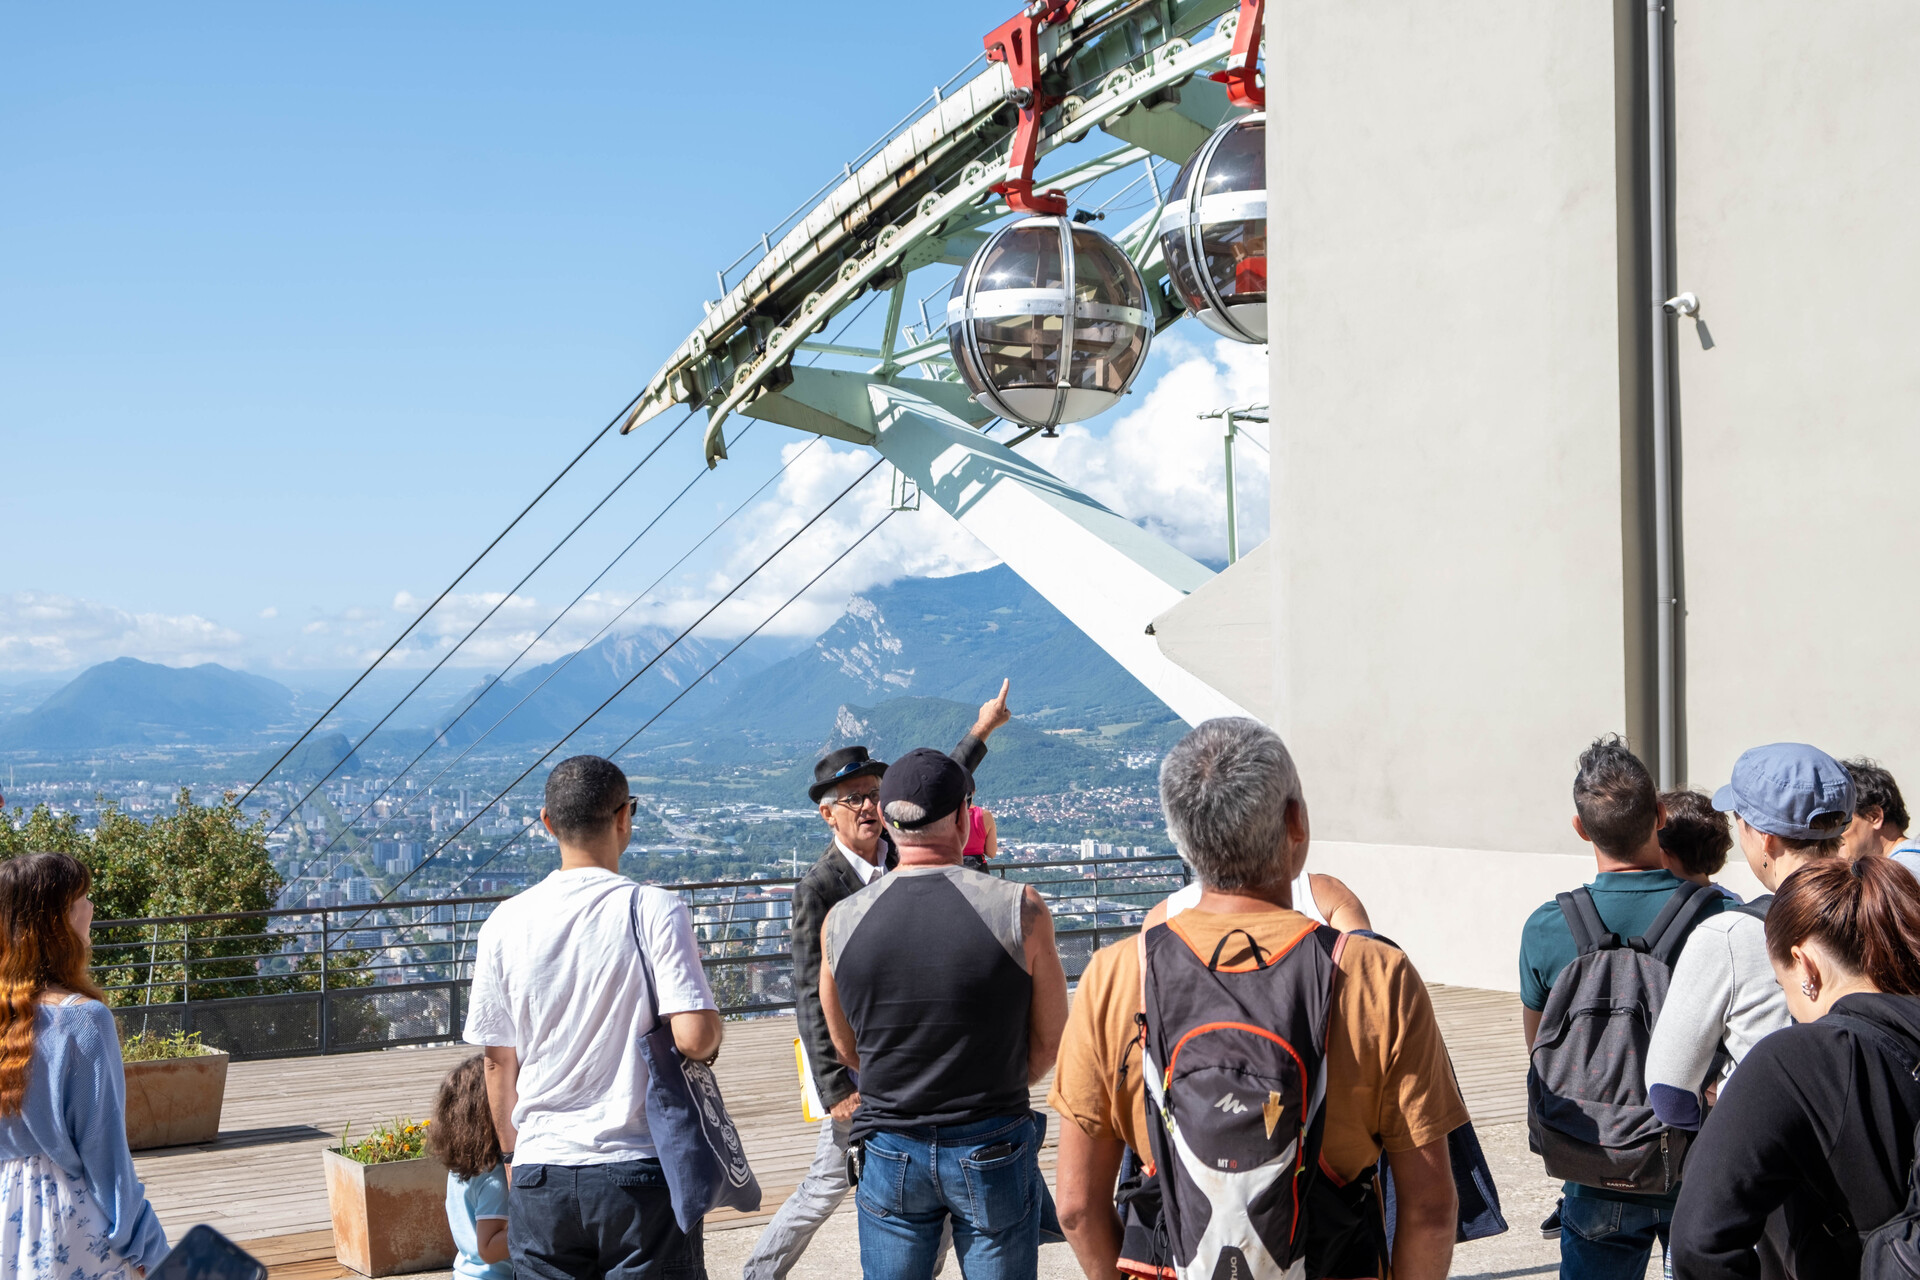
262	1181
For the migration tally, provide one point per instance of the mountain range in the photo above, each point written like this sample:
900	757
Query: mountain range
127	702
954	638
932	644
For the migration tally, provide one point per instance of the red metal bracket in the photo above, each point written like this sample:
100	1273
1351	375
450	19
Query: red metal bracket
1240	73
1016	42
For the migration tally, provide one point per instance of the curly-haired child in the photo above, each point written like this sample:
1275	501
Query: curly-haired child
462	1138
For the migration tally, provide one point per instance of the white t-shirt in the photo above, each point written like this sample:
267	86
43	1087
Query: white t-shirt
1907	854
1189	897
556	976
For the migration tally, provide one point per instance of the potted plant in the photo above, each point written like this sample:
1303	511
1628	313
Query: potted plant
175	1087
389	1202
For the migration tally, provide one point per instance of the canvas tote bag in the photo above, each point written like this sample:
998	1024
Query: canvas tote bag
699	1147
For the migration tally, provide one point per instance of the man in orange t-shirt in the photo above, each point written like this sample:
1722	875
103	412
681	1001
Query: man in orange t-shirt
1235	810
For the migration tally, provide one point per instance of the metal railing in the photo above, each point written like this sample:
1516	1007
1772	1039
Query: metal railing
299	981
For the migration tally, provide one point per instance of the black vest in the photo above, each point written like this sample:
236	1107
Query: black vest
931	970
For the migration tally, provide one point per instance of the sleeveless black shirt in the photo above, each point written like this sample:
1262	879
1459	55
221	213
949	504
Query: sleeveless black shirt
930	964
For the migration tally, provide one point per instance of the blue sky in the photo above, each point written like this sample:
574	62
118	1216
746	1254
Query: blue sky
302	302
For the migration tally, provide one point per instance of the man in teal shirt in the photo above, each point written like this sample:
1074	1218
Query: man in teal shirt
1606	1234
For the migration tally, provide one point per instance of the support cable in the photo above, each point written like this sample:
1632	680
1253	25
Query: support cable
496	679
588	644
475	629
627	683
617	418
515	837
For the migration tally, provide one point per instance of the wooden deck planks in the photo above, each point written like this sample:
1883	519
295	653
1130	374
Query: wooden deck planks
262	1181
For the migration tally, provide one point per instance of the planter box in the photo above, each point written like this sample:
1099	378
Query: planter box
175	1102
389	1219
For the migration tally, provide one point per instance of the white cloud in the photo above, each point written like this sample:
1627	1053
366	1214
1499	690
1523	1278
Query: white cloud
924	543
1156	464
269	612
40	631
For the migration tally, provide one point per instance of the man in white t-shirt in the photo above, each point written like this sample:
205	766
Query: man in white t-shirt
560	1004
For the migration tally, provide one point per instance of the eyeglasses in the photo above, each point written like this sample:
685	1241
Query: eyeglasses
854	804
631	804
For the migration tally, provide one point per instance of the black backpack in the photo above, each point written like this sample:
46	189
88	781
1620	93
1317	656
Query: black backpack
1587	1109
1891	1251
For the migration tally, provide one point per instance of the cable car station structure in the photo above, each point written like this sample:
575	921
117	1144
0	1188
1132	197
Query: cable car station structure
1049	321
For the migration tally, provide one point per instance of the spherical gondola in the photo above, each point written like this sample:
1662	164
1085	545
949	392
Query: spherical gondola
1049	323
1214	230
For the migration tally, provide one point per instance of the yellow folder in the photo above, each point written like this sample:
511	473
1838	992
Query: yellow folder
809	1092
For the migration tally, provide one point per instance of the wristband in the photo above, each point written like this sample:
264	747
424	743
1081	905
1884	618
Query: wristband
506	1157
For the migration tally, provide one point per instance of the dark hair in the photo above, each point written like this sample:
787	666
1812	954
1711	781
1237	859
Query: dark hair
38	949
1865	913
1613	794
1827	848
1696	833
1874	788
582	794
461	1136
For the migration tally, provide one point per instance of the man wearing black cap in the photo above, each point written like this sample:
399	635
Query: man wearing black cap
846	787
944	990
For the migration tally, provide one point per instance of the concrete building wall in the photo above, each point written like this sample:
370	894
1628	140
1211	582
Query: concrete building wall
1797	145
1446	504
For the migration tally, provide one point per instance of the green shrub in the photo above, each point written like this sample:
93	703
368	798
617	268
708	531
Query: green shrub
147	1047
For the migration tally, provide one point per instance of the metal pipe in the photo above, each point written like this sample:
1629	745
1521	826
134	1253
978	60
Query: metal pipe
1233	518
1663	589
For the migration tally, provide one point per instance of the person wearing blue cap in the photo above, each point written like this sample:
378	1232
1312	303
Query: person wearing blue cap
1811	1148
1790	803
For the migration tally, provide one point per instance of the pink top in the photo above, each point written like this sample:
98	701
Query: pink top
977	838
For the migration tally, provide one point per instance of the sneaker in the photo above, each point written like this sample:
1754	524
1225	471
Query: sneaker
1550	1229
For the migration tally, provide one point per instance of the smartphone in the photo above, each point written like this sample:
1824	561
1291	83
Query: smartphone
205	1254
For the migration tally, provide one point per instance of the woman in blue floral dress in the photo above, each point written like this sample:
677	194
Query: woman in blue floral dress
70	1205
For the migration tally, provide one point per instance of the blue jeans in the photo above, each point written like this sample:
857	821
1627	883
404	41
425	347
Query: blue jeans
1609	1239
985	1176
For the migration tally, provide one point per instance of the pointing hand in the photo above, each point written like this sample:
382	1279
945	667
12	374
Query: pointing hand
993	713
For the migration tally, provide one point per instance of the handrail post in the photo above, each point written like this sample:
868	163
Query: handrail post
325	1021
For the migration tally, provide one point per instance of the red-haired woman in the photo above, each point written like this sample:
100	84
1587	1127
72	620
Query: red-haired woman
69	1202
1819	1120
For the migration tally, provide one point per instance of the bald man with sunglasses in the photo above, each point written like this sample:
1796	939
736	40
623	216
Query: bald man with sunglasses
846	786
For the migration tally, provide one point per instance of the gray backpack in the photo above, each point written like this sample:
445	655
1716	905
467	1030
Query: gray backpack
1587	1109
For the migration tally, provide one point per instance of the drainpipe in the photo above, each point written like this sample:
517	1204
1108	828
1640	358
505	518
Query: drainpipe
1665	604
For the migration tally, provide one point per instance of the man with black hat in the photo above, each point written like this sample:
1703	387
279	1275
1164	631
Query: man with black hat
846	787
944	990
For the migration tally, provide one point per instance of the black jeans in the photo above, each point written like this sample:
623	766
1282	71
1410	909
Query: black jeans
595	1221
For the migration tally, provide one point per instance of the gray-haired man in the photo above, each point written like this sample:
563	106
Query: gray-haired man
1237	813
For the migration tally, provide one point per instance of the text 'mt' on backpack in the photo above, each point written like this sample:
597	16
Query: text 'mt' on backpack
1234	1061
1587	1109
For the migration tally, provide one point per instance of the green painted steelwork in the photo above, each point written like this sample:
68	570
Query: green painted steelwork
1135	68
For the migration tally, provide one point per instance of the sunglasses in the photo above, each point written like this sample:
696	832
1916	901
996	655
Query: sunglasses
631	804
